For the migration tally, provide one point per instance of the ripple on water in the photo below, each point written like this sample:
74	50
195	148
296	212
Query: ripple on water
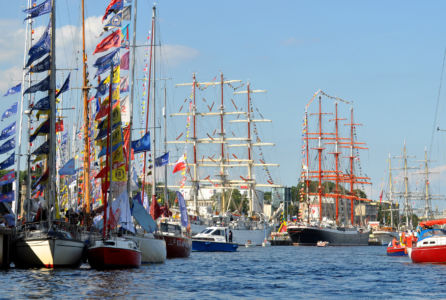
256	273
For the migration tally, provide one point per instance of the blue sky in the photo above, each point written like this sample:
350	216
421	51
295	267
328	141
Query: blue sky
386	56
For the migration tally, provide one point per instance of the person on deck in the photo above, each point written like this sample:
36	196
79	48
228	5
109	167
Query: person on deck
394	243
230	236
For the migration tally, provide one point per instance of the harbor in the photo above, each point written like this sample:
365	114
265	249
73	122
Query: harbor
156	150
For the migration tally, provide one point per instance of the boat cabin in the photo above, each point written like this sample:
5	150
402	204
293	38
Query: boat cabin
215	233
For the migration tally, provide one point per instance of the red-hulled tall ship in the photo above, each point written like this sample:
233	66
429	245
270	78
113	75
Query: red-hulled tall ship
330	194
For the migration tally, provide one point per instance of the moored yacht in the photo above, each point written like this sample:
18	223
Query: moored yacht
39	245
214	239
114	253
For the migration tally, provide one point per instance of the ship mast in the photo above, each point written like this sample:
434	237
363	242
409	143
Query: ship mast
390	191
427	206
406	186
154	119
223	163
17	200
132	91
148	99
52	118
86	120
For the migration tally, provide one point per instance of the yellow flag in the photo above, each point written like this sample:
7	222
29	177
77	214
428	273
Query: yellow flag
118	155
116	138
119	174
116	76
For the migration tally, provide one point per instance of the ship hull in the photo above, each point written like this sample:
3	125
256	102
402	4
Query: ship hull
210	246
240	236
153	250
309	236
432	254
177	246
114	254
48	253
396	251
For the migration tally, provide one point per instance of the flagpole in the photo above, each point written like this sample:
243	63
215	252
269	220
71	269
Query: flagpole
19	150
52	117
166	196
153	118
132	90
86	120
148	101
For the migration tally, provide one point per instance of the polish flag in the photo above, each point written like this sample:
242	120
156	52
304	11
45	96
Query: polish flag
180	165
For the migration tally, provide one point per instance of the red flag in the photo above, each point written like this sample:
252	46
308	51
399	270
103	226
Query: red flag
104	110
113	40
180	165
155	210
115	5
380	197
59	126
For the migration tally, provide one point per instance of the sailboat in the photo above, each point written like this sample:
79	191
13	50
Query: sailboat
322	181
233	169
114	250
49	243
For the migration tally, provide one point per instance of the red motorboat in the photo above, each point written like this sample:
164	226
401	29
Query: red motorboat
178	244
396	251
114	253
431	245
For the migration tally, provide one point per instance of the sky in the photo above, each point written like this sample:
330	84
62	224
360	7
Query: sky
385	56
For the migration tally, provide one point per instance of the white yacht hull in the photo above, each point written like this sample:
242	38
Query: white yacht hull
48	253
153	250
240	236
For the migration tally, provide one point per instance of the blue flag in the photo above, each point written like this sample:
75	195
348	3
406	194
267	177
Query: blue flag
43	149
104	149
8	197
183	209
68	168
7	162
10	111
102	89
162	160
103	63
114	22
7	146
103	130
38	10
65	86
42	104
43	128
142	216
142	145
7	178
7	132
106	59
42	66
42	86
13	90
40	48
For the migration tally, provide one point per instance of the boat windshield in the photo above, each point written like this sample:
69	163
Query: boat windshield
432	232
206	231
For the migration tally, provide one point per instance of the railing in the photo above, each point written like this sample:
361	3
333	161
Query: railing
42	229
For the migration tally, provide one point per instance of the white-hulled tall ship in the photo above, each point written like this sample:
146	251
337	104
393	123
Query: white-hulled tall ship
225	144
329	184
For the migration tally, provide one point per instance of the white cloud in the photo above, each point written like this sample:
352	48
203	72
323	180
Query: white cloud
10	77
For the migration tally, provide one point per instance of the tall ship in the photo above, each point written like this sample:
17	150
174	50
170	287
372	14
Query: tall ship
331	183
219	151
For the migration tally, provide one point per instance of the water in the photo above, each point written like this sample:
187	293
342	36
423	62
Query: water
255	273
